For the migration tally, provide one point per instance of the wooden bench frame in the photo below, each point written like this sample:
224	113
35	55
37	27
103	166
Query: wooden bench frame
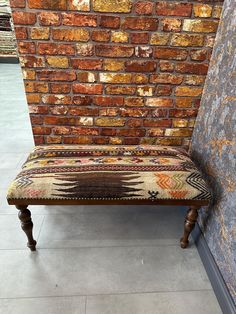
27	224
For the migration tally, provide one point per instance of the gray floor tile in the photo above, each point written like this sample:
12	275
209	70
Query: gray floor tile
11	235
60	305
194	302
114	228
88	271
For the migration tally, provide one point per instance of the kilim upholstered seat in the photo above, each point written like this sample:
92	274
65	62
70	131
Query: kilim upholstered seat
109	175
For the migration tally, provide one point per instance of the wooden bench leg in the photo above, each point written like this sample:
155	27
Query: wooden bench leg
189	224
27	225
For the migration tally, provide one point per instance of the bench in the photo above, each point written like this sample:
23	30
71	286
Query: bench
117	175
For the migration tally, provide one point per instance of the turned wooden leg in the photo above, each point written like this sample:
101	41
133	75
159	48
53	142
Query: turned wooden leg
27	225
189	224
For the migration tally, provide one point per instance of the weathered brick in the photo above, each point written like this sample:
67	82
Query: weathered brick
83	111
33	98
84	131
51	75
108	131
164	90
143	52
209	41
123	6
85	64
170	53
61	88
116	78
55	99
75	19
80	88
148	141
140	66
28	74
85	49
200	26
131	132
26	47
21	32
135	123
35	109
139	78
187	40
134	102
113	65
84	121
36	87
110	121
39	33
182	113
58	120
87	77
140	23
180	123
119	37
100	35
171	24
159	102
57	62
166	78
106	101
127	112
168	141
178	132
41	130
167	66
109	112
217	11
139	38
17	3
78	140
188	91
110	21
114	51
145	90
199	54
36	120
115	141
53	139
131	141
58	110
155	132
49	18
24	18
50	5
32	62
79	5
192	68
70	34
194	80
120	90
82	100
144	7
183	102
174	8
159	39
54	49
202	10
157	122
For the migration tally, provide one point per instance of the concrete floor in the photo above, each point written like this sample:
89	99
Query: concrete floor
90	259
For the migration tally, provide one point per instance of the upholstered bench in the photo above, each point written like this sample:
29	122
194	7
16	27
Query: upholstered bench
76	175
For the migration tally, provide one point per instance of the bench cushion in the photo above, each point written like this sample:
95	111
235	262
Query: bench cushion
109	172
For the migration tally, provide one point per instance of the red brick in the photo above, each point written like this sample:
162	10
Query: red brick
159	102
74	19
33	98
54	49
83	111
114	51
135	123
171	25
144	7
38	140
100	35
60	88
17	3
134	102
110	21
192	68
60	110
170	53
47	4
166	78
21	32
155	132
105	101
109	112
167	66
159	113
82	100
24	18
108	131
131	132
36	120
79	88
84	131
32	62
140	66
140	23
131	141
87	77
57	120
127	112
26	47
51	75
36	87
182	113
35	109
157	122
120	90
78	140
74	34
198	54
164	90
49	18
139	38
174	8
53	139
85	64
56	99
41	130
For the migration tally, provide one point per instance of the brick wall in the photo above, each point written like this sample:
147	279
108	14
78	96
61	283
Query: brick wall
114	72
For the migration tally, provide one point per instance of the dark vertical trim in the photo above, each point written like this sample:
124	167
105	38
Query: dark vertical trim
218	284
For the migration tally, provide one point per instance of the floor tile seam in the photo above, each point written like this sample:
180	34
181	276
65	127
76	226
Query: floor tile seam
108	294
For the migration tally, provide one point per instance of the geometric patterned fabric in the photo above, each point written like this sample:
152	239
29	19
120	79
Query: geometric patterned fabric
109	172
